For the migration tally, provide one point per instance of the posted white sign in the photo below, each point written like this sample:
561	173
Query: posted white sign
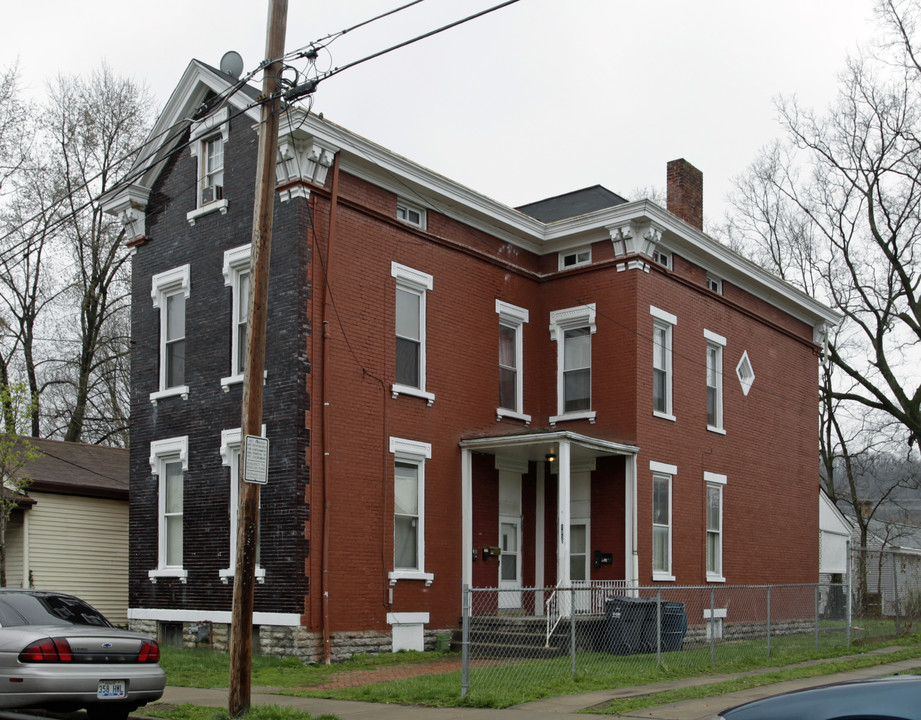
256	460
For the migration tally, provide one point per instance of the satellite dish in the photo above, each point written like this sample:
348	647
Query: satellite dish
232	64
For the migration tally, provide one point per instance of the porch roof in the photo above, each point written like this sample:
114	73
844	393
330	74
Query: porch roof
536	446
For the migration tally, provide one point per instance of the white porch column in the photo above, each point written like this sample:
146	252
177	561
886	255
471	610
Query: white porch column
631	554
563	512
466	516
539	531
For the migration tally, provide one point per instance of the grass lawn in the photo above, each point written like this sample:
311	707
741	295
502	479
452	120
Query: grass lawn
502	684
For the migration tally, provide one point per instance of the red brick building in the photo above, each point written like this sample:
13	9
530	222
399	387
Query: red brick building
582	389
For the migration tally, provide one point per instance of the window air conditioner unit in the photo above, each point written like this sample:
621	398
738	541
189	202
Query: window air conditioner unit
211	193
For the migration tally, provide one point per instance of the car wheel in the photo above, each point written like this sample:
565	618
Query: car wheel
107	712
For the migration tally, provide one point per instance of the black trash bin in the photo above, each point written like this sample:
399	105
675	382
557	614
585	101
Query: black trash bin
674	625
629	625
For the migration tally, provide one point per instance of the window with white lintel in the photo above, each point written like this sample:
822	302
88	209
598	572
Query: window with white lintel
169	291
169	462
409	458
511	358
572	330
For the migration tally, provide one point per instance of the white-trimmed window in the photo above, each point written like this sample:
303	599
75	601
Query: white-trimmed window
169	291
207	142
411	214
715	345
662	475
572	330
663	322
169	461
511	358
714	484
409	458
409	373
662	258
237	278
231	452
575	258
714	284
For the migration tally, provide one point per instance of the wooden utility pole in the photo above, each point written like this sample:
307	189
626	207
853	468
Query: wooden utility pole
241	629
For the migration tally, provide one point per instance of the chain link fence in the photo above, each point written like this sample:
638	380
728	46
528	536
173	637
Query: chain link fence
555	634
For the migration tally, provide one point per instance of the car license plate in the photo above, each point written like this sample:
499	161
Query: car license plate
111	689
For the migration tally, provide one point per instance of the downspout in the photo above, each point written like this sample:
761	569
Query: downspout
331	234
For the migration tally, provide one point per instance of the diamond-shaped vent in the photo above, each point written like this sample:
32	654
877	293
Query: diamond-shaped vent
745	373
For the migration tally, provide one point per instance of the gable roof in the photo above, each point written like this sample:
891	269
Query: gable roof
77	469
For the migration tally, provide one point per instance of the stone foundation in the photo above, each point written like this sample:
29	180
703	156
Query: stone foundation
278	640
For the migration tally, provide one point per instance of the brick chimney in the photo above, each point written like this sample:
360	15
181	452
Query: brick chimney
685	193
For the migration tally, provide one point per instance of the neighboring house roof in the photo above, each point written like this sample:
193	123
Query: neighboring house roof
889	535
831	519
77	469
572	204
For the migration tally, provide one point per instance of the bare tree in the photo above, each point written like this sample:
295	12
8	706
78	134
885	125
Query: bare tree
14	127
836	209
93	128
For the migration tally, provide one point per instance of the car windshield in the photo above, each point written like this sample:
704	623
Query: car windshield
47	609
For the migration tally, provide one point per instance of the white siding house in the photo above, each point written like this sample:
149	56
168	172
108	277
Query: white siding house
71	532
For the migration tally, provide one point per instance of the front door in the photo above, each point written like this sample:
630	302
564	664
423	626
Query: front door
578	565
510	562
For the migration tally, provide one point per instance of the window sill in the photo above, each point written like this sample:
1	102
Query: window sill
182	390
582	415
717	430
664	416
226	382
177	573
505	413
715	579
410	575
662	577
212	207
397	390
228	574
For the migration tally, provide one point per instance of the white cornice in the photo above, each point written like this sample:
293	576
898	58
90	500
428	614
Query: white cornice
317	138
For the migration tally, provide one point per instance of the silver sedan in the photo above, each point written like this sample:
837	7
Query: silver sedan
59	653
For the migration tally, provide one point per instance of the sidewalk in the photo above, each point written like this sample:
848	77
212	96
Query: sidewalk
551	708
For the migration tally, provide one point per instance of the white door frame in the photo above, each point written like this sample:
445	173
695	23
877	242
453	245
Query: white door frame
510	595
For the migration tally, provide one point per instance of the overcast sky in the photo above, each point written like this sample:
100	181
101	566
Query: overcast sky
534	100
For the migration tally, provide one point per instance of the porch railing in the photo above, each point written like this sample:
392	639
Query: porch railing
562	603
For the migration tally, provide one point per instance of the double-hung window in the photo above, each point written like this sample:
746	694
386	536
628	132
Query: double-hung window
212	181
572	330
714	484
662	476
409	458
715	345
663	322
169	291
169	461
231	452
511	357
412	287
207	142
237	278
